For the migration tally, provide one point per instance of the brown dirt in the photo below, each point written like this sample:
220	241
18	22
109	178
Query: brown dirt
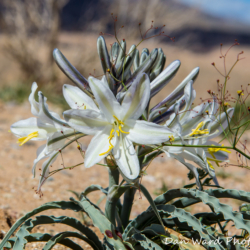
16	183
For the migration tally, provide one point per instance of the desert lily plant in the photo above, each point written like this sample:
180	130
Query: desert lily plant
127	135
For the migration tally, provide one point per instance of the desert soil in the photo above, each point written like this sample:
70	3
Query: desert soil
17	186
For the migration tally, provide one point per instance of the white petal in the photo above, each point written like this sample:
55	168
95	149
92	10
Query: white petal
196	115
56	141
40	156
98	145
105	99
174	121
45	115
190	95
219	155
136	98
173	150
25	127
34	104
213	108
104	81
143	132
199	157
77	99
45	169
86	121
126	158
192	168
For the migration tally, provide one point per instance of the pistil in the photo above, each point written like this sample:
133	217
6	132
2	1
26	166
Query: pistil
25	139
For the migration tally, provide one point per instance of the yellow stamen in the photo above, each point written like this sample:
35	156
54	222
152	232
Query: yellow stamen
85	107
111	135
210	165
197	130
212	159
120	127
110	142
110	147
171	138
214	150
240	92
119	121
25	139
211	151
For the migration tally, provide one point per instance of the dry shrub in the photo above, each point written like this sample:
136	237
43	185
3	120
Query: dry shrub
32	29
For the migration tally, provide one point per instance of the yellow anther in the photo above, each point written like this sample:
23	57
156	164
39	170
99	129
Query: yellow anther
211	151
85	107
25	139
197	130
210	165
214	150
120	127
171	138
226	104
240	92
212	159
118	133
215	160
110	147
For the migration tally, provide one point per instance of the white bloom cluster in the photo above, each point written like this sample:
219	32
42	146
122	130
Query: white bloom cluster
115	110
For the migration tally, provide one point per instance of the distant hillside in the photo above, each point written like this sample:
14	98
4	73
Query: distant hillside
192	28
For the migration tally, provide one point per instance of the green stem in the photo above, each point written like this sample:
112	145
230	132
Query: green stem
235	137
242	132
241	125
115	192
110	207
113	176
127	206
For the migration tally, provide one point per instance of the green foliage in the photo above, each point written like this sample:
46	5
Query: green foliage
242	115
16	93
150	229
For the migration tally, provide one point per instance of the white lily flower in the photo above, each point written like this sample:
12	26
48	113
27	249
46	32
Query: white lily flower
195	127
45	126
115	127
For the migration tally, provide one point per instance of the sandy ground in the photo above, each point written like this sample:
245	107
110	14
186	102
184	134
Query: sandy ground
17	195
16	183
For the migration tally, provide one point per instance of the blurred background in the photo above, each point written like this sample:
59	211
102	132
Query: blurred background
30	30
